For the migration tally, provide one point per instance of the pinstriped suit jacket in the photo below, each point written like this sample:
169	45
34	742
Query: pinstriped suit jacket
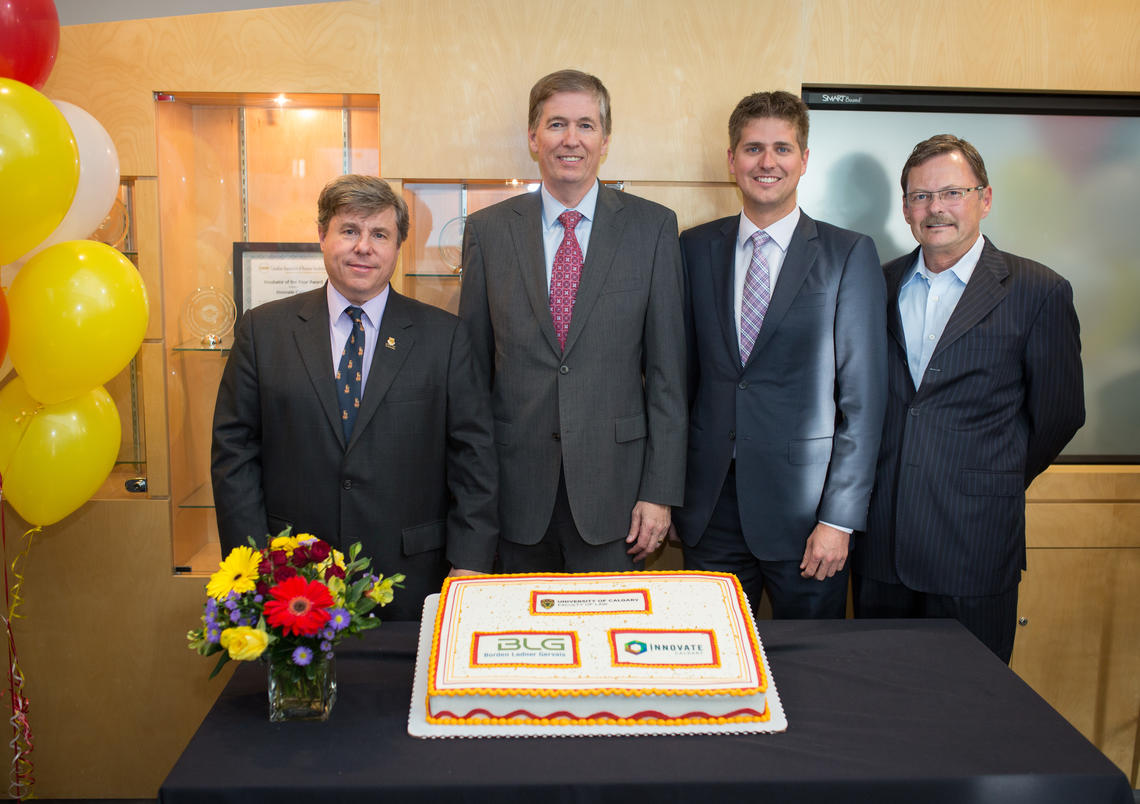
1001	397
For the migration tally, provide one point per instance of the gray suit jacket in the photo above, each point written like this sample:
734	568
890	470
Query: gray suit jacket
1001	397
415	484
805	413
611	410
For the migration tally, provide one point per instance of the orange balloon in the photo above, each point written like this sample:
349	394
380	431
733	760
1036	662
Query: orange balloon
79	313
58	455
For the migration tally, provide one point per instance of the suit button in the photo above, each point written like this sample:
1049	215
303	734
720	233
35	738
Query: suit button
743	385
346	485
731	435
563	369
556	436
914	411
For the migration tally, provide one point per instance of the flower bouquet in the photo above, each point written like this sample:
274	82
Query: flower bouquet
290	603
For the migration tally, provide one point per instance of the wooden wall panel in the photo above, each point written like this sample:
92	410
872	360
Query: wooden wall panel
322	47
455	77
1055	45
115	693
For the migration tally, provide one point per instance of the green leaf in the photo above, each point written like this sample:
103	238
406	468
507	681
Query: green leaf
225	657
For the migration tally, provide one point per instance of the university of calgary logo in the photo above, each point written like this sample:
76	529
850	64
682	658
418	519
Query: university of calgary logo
635	647
547	603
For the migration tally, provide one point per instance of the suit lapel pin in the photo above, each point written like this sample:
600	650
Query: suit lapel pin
390	343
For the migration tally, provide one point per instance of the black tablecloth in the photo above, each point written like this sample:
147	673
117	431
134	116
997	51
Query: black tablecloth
878	711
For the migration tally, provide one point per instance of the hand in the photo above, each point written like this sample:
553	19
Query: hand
826	552
456	572
648	526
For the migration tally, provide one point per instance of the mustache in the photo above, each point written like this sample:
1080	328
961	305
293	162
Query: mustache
937	220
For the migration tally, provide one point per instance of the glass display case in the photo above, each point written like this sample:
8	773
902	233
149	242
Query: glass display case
233	168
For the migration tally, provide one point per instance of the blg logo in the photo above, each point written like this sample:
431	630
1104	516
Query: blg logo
635	647
529	643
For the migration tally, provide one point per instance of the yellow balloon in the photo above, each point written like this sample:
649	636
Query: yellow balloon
16	411
78	315
64	455
39	168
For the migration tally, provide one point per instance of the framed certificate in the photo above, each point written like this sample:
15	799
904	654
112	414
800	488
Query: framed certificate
267	271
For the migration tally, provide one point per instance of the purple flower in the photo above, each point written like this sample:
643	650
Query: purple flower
230	603
329	655
235	616
211	606
328	633
302	656
339	619
213	634
326	646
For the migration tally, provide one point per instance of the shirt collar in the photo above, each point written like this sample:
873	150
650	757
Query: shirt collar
780	232
963	269
373	308
552	208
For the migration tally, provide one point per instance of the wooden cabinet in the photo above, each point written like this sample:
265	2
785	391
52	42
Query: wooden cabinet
1078	636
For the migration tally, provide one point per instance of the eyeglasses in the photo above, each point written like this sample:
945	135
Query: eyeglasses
951	195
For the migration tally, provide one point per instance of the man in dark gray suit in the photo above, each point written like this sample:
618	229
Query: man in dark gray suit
573	298
985	389
355	414
787	363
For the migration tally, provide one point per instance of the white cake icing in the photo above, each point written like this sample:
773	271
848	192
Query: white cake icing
615	648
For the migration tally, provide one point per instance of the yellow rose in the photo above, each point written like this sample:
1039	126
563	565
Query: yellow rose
244	643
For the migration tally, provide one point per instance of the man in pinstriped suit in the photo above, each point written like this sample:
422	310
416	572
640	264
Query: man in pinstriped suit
984	390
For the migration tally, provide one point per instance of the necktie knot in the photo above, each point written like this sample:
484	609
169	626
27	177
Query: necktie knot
569	219
354	313
758	239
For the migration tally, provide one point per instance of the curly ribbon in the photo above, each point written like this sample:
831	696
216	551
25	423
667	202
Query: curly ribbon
20	777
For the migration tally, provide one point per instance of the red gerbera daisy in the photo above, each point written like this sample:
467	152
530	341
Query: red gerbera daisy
298	606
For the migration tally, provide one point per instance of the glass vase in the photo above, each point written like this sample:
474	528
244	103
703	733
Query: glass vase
301	693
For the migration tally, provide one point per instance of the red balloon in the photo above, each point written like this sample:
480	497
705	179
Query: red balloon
29	39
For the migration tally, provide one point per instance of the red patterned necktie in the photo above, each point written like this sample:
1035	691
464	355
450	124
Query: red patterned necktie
757	294
565	275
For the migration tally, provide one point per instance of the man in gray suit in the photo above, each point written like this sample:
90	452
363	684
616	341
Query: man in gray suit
355	414
985	389
785	317
573	298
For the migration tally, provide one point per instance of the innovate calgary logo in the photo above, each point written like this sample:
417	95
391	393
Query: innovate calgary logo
684	648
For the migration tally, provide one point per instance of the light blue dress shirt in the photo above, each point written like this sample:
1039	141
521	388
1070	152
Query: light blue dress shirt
926	301
552	229
340	327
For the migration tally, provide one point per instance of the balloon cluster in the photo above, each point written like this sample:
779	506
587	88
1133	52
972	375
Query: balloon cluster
76	311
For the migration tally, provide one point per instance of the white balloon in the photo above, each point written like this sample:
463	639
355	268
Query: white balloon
98	179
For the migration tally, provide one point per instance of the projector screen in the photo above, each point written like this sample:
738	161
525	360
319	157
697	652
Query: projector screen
1065	172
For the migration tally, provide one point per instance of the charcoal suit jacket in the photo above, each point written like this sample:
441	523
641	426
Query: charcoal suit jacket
415	483
609	410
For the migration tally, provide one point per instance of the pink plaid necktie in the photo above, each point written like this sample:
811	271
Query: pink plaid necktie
564	275
757	294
